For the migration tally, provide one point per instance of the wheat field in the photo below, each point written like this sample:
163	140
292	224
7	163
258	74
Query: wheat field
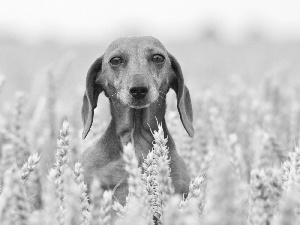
244	159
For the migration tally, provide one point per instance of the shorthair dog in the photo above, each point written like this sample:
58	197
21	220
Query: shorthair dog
135	74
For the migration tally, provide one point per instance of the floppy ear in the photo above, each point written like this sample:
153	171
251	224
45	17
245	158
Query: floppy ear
184	104
90	97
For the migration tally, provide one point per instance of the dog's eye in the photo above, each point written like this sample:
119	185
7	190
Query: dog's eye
116	61
158	58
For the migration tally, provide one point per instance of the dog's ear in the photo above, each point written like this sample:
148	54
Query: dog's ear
90	97
184	104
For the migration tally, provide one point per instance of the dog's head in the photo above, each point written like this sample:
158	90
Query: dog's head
136	71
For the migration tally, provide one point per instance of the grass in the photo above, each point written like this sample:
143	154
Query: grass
244	161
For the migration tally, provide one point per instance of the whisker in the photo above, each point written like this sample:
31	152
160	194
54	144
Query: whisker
113	101
113	95
161	97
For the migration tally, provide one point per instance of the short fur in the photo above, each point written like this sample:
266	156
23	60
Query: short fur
132	120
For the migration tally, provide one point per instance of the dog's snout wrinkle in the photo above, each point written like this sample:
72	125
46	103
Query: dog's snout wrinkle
138	92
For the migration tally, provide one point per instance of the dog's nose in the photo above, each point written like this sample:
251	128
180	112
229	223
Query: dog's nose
138	92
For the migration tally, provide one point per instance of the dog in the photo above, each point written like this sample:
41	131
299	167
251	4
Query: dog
135	74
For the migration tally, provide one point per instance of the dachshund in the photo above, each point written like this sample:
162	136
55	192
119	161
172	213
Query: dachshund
135	74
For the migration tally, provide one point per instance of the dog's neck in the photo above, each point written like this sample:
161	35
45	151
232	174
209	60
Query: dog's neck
135	125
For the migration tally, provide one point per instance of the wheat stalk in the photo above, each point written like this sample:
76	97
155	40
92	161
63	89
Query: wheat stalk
29	166
56	173
84	204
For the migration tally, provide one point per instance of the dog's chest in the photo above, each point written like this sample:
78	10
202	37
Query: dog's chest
141	136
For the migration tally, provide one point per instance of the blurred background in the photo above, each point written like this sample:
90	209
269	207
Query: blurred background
241	63
212	40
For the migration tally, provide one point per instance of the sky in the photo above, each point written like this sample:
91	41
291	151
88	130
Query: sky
166	19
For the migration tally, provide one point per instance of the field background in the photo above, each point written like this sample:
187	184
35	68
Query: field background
242	68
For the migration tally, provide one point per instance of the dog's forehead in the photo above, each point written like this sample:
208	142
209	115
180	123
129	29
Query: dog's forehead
134	43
